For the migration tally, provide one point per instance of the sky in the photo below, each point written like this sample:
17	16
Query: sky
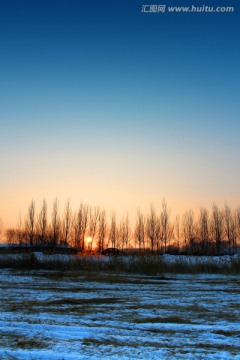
105	104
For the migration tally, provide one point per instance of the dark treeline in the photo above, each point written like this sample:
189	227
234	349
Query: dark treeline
206	233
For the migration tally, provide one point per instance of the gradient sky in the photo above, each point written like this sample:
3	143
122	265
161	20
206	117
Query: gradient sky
104	104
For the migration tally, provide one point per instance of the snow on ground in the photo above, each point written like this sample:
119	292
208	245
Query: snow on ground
72	315
220	261
191	260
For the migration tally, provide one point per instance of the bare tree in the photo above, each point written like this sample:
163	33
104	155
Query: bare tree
93	222
56	223
42	223
80	225
127	233
67	222
189	230
113	230
139	231
102	230
152	227
230	227
166	228
120	235
233	230
203	230
30	222
237	220
21	234
124	233
217	227
76	231
177	232
11	236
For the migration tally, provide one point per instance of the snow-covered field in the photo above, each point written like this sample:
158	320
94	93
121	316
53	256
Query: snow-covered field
73	315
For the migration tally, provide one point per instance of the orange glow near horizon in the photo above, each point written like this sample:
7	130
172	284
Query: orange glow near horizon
14	207
89	243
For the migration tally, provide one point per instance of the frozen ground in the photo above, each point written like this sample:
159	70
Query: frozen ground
67	315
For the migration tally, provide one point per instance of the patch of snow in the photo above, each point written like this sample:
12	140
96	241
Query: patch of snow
51	315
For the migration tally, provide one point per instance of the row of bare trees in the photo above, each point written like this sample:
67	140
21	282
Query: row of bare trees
210	232
60	229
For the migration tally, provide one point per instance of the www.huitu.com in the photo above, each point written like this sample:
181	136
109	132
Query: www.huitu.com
186	9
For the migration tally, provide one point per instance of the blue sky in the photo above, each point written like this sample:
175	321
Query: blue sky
108	105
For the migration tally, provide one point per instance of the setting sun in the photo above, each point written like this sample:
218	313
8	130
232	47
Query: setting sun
89	243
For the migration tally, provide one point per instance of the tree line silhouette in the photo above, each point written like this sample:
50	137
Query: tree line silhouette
209	232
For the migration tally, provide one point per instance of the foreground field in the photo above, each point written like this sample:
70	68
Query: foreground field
72	315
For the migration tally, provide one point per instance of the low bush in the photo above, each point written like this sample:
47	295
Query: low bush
139	264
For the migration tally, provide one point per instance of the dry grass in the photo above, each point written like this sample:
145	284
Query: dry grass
122	343
168	319
88	302
118	264
15	341
227	333
218	347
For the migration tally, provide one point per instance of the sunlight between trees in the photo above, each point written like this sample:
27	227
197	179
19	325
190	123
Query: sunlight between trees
206	233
